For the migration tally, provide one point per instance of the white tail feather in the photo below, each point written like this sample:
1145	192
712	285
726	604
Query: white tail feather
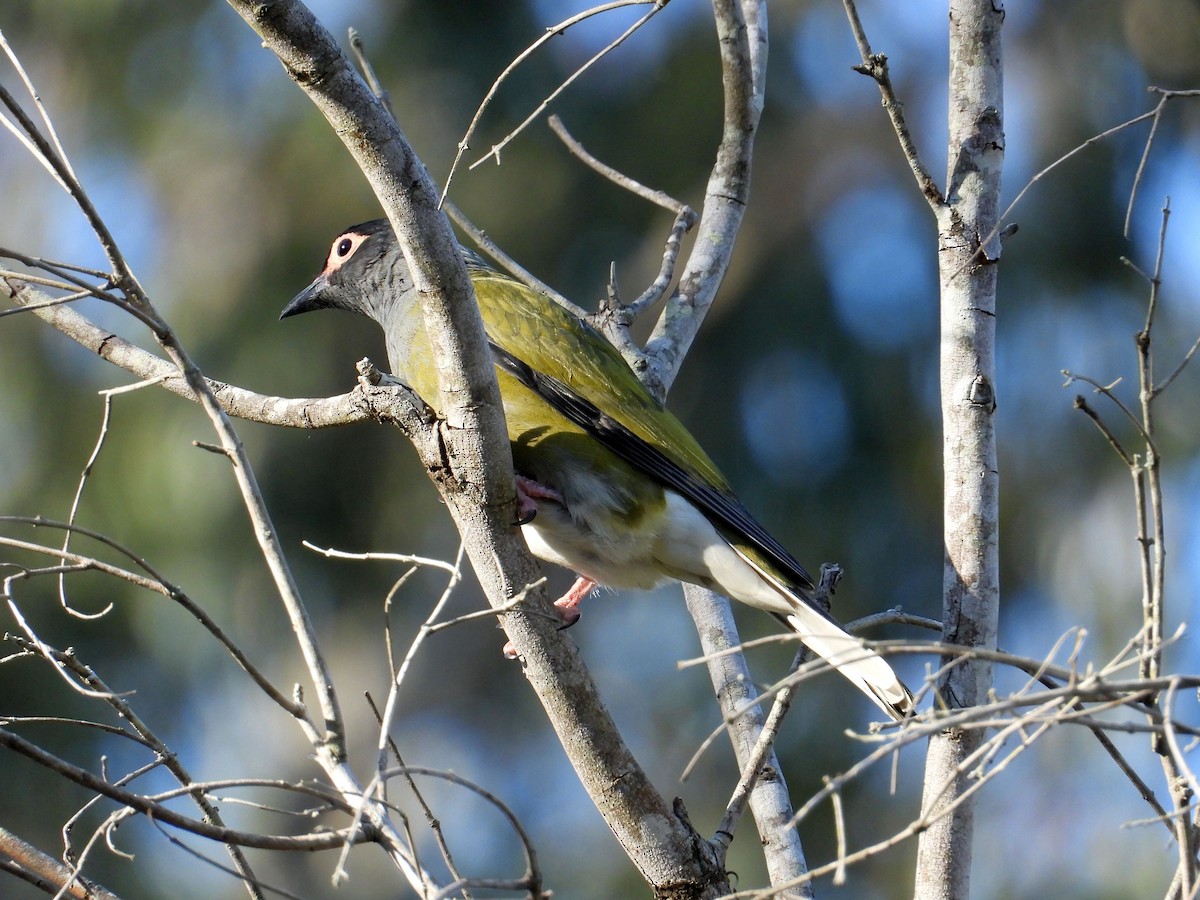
692	549
864	667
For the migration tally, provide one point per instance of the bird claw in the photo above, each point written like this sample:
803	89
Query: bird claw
526	509
528	494
567	606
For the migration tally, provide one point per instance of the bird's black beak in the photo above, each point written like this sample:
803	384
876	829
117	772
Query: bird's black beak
312	297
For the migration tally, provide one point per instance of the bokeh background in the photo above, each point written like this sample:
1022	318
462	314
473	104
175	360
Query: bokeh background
813	384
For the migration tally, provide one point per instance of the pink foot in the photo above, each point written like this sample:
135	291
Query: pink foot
568	603
528	493
567	606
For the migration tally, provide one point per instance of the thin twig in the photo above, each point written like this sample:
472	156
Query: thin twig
70	276
493	250
1164	97
614	317
359	50
139	803
57	301
252	883
1084	407
875	67
457	216
1187	358
434	825
1154	115
553	31
657	197
164	757
384	743
839	827
105	419
49	155
155	583
37	102
684	220
571	79
1106	390
532	880
425	561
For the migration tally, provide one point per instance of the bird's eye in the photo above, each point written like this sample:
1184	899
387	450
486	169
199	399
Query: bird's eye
344	246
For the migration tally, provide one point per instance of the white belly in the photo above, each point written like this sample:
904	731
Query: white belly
679	544
622	563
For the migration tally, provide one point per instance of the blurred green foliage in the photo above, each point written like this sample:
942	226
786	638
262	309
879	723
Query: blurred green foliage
813	384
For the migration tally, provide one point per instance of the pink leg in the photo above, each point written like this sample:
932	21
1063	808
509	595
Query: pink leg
528	493
566	605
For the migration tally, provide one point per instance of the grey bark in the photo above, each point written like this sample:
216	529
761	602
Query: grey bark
969	248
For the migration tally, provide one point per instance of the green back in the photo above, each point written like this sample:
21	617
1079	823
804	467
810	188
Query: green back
539	332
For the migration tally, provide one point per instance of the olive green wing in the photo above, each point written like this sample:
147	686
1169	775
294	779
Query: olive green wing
581	375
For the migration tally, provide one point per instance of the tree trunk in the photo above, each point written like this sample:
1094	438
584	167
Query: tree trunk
969	248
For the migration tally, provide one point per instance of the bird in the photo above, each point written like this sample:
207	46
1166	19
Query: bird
610	484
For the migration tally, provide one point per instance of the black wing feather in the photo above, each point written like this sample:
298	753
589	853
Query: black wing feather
717	505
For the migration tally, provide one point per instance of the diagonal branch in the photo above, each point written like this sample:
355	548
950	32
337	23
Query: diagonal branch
144	365
330	840
465	144
479	486
33	864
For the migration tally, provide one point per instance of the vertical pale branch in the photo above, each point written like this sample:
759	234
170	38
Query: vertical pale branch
969	248
967	261
1152	543
741	31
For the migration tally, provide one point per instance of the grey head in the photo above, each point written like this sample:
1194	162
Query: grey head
364	273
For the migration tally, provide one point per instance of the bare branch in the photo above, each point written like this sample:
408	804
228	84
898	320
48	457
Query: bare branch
494	153
235	401
33	864
613	317
138	803
741	32
875	67
510	265
156	583
1153	115
457	216
164	757
1084	407
658	198
532	880
762	780
551	32
1175	373
969	248
1165	96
